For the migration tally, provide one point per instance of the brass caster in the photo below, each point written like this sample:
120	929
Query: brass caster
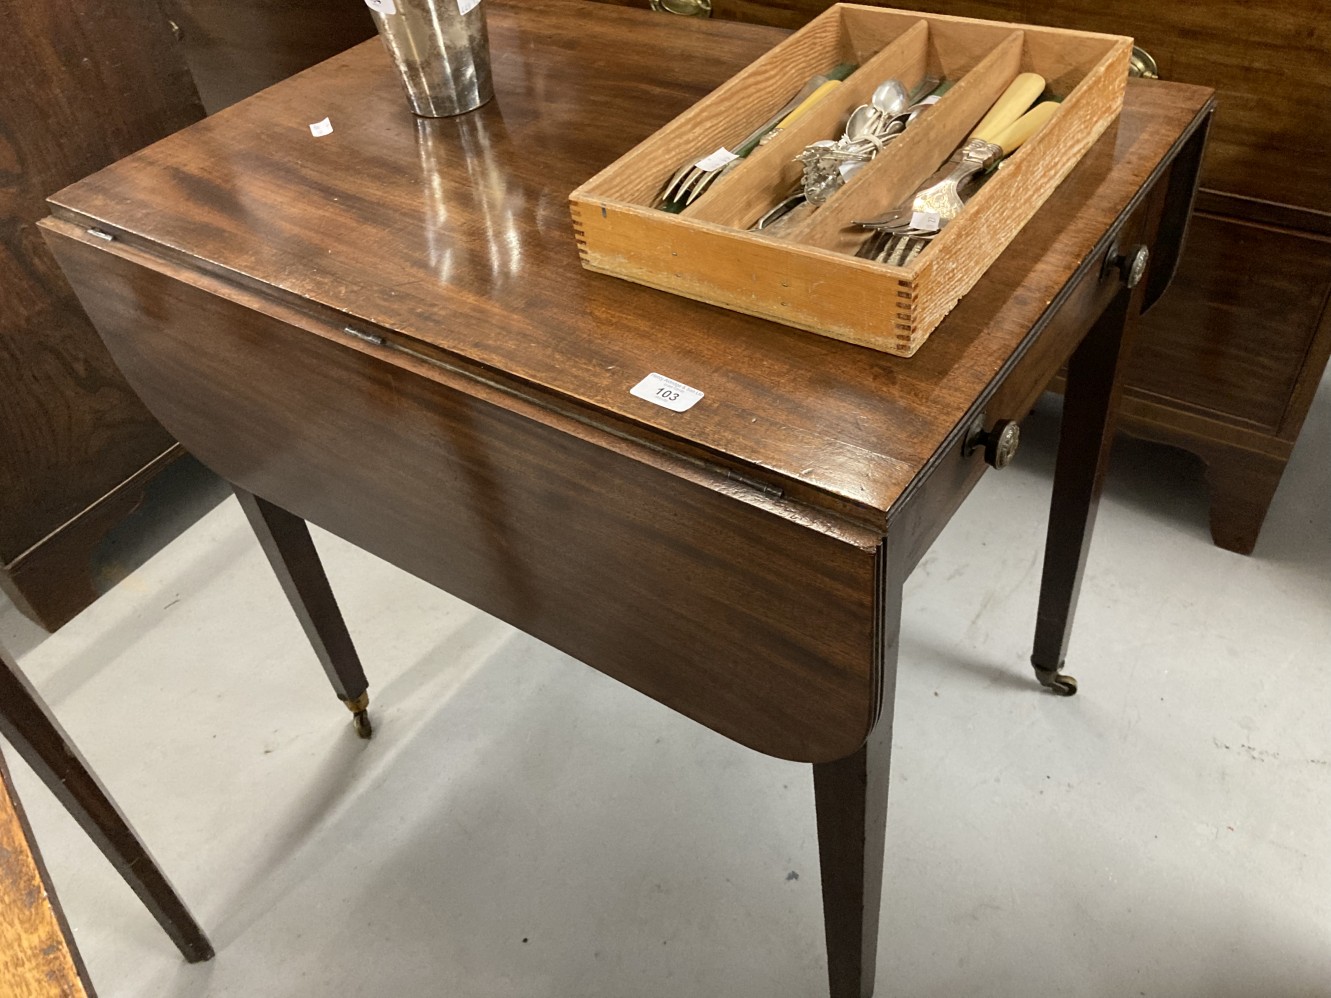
361	722
1056	682
360	715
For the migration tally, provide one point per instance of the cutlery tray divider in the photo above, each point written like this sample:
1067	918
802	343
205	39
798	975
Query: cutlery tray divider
769	173
899	170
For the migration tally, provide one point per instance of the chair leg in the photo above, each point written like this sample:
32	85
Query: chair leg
28	725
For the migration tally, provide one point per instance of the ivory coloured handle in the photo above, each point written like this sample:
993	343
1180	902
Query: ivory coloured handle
1021	93
1011	138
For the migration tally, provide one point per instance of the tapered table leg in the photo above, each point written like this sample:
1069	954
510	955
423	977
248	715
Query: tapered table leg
851	799
286	541
1090	404
851	796
37	737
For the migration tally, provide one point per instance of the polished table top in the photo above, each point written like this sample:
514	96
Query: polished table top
454	236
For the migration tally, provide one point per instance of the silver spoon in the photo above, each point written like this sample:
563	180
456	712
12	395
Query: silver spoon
861	121
889	97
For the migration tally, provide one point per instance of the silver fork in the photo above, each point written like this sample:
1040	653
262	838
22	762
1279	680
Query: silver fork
892	249
693	179
936	204
939	201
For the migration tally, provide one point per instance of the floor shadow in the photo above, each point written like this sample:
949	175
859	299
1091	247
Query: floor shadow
176	499
1298	526
1160	482
18	634
350	766
116	640
926	654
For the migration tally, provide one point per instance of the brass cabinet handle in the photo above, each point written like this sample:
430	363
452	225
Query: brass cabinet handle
1141	64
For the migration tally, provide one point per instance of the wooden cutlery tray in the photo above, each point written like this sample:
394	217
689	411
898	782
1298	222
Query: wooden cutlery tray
809	276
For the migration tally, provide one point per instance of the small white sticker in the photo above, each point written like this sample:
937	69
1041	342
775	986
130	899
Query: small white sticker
931	100
321	128
716	160
925	221
382	6
466	6
666	392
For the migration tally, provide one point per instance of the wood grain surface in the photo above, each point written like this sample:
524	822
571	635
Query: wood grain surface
236	48
390	335
478	351
55	579
82	83
38	958
1251	360
473	256
1267	61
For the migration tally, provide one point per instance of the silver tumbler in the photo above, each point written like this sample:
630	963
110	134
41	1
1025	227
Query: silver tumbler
442	51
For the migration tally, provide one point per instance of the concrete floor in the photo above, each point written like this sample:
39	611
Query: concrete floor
522	826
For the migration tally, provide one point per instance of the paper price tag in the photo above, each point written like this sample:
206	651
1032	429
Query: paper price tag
382	6
321	128
926	221
716	160
931	100
465	6
673	395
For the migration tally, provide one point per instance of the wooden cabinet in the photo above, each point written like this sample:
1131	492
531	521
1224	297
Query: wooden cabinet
236	48
82	84
1230	358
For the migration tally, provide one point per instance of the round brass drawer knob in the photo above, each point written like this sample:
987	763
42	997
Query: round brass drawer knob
1134	268
1000	443
1131	265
